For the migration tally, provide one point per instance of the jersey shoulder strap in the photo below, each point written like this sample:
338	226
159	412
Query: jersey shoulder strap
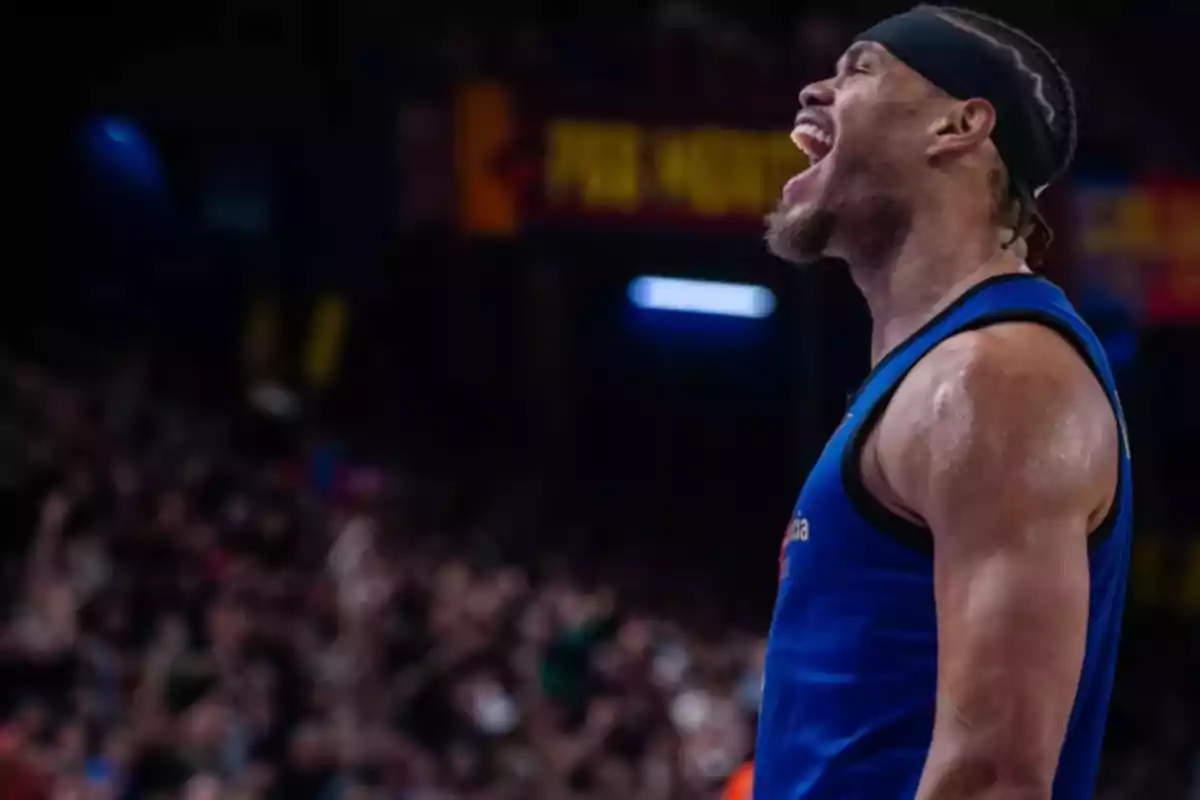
1015	297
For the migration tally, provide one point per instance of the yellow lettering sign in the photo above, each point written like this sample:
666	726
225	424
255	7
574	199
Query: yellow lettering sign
714	172
708	172
595	162
673	164
731	165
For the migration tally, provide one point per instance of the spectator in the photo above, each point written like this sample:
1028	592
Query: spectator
194	623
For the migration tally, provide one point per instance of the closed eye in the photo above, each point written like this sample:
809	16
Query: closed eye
855	68
859	59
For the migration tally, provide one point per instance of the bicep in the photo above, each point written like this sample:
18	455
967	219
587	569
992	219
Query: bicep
1006	466
1012	627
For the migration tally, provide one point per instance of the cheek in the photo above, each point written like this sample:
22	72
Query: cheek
877	110
861	124
881	142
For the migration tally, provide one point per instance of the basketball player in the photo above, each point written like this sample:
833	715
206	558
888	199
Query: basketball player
953	576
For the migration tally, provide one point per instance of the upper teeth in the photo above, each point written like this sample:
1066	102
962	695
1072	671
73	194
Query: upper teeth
812	131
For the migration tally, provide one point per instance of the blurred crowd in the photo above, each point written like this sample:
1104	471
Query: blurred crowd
189	610
182	618
184	621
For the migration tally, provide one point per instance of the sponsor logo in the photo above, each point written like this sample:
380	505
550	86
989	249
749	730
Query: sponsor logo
797	531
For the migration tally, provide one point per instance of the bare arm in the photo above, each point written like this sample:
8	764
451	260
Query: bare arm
1004	444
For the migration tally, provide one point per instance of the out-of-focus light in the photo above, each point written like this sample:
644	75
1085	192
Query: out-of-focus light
120	130
702	297
273	399
122	154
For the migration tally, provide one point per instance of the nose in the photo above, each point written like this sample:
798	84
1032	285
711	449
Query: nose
816	94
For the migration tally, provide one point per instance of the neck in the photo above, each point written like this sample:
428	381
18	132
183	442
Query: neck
933	265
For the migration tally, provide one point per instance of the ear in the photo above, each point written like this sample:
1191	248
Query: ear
964	125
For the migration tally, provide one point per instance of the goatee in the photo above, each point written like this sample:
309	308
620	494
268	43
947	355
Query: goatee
800	237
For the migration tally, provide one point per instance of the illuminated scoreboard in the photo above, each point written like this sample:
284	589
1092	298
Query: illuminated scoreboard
518	167
621	169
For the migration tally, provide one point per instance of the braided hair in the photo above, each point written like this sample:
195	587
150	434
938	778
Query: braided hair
1016	203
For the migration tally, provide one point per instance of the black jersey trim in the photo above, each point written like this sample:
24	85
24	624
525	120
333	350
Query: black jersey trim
919	537
986	283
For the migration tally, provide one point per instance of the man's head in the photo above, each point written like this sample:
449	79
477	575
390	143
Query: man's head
934	108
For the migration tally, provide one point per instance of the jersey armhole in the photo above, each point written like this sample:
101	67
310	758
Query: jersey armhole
919	537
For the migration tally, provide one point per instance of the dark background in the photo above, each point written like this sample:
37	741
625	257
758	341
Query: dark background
293	109
174	166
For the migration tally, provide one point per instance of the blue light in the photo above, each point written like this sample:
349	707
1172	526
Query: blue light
702	297
120	131
121	154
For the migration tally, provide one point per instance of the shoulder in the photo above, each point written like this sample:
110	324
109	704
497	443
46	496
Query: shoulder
1006	415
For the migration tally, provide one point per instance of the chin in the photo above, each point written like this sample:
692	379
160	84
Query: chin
800	233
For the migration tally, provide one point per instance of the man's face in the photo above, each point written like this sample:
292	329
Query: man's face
865	131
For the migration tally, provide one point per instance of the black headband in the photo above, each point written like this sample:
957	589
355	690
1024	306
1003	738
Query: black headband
966	65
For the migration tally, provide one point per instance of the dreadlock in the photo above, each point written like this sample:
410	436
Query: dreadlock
1016	203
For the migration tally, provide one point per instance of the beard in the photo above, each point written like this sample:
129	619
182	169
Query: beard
865	225
861	213
800	235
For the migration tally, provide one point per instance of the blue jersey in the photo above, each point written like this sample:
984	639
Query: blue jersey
851	665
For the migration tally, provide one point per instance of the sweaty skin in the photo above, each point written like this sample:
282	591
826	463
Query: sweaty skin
1002	442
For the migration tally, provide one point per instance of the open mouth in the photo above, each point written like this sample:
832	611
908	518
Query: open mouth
814	135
